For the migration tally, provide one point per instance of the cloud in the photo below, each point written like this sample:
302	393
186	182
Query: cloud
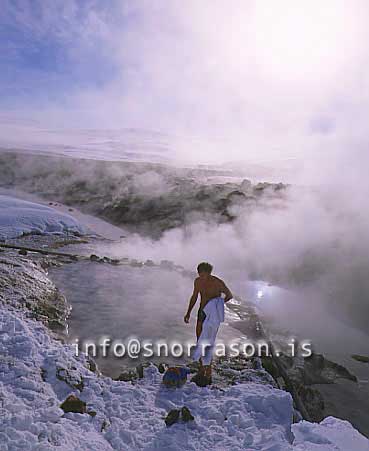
242	79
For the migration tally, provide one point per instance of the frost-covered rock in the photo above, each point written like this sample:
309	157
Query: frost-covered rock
19	217
25	287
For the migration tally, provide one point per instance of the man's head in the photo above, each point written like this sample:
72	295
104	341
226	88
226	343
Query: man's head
204	269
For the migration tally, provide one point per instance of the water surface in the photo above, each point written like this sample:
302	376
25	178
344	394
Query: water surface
122	301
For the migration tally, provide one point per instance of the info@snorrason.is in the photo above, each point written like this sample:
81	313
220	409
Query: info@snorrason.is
133	348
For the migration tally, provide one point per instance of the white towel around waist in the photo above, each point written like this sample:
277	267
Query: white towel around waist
214	311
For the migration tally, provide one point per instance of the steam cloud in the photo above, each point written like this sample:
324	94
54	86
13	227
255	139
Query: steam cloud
228	81
316	242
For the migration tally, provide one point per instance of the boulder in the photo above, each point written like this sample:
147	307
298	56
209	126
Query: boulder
172	417
186	414
74	405
360	358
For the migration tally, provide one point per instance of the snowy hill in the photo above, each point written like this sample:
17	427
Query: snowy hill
18	217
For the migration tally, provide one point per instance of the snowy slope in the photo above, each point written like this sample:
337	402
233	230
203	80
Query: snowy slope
37	373
18	217
330	434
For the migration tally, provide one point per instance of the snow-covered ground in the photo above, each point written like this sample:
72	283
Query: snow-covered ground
19	217
38	372
130	417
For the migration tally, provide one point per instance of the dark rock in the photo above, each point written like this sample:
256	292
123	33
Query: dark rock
193	367
172	417
186	414
236	196
74	405
94	258
111	261
140	369
261	186
270	367
313	402
279	186
162	367
175	376
300	380
318	370
360	358
286	360
91	364
22	252
105	425
202	196
201	380
45	264
256	363
127	376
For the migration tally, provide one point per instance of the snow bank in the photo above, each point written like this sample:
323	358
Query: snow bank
37	373
330	434
18	217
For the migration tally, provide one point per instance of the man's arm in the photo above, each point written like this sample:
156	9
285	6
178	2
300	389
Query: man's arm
192	302
227	292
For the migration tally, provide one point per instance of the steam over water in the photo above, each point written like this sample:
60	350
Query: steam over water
121	302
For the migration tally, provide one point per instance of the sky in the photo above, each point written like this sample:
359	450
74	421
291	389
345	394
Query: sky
227	81
210	81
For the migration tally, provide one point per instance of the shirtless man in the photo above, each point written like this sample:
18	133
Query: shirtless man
209	287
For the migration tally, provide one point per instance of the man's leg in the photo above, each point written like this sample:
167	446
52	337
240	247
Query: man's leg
207	372
198	333
203	375
198	328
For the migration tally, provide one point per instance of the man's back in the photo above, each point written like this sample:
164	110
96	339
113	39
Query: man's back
209	288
